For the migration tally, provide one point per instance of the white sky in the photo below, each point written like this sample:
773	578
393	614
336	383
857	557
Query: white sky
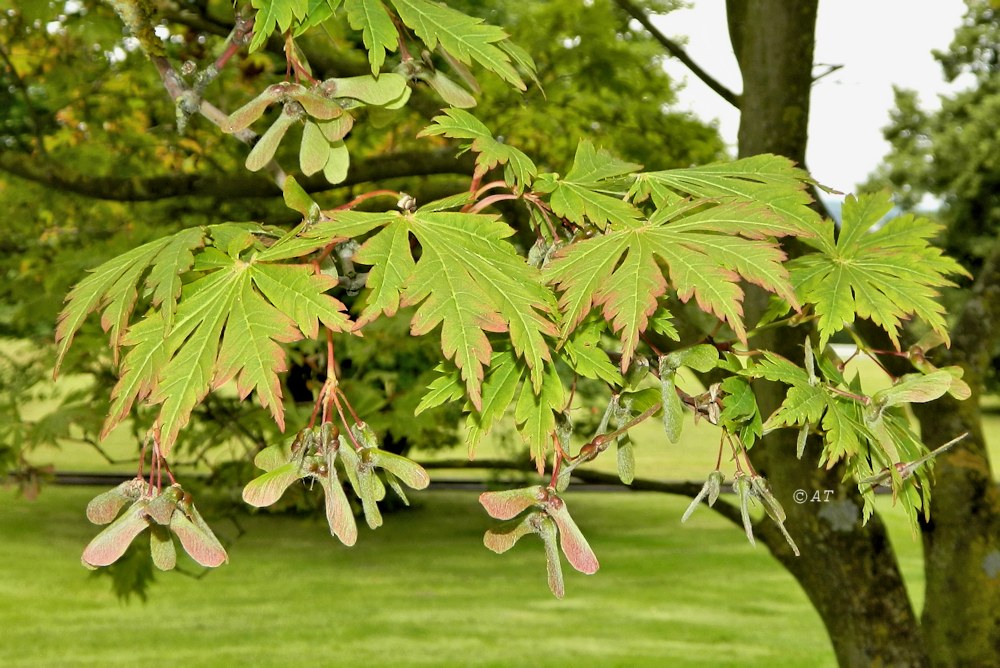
880	43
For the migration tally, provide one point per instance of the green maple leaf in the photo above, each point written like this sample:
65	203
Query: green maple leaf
588	359
535	414
318	12
593	189
499	389
765	179
378	32
468	279
886	274
705	252
229	323
460	124
257	306
114	286
464	37
275	14
250	349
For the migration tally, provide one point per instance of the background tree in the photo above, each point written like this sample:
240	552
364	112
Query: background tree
854	580
951	154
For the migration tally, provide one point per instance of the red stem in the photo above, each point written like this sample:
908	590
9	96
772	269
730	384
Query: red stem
231	50
486	188
350	408
479	206
368	195
556	460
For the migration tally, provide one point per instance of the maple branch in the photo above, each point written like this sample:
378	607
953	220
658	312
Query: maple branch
324	61
679	53
243	185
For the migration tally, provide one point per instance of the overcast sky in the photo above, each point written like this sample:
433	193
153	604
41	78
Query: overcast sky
880	43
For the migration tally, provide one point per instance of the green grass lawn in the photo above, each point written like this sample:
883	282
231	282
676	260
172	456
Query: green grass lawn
422	590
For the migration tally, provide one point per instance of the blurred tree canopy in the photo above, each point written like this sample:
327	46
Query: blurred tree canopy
92	164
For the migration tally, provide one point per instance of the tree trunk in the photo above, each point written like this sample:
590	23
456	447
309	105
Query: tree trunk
961	617
849	571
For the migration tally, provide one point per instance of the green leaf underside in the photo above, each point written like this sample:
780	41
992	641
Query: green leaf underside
885	275
466	38
469	280
704	255
445	388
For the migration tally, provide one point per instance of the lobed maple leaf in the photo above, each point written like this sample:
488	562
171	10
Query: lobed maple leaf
460	124
275	14
468	279
464	37
766	179
114	287
377	30
228	323
593	190
886	274
705	248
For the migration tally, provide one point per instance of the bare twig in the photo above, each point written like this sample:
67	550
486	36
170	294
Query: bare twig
679	53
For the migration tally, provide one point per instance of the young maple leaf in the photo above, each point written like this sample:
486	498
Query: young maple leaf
114	286
885	274
706	248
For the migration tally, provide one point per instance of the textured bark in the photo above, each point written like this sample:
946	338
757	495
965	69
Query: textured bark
961	617
849	571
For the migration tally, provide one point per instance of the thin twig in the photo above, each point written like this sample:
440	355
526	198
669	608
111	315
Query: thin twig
679	53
